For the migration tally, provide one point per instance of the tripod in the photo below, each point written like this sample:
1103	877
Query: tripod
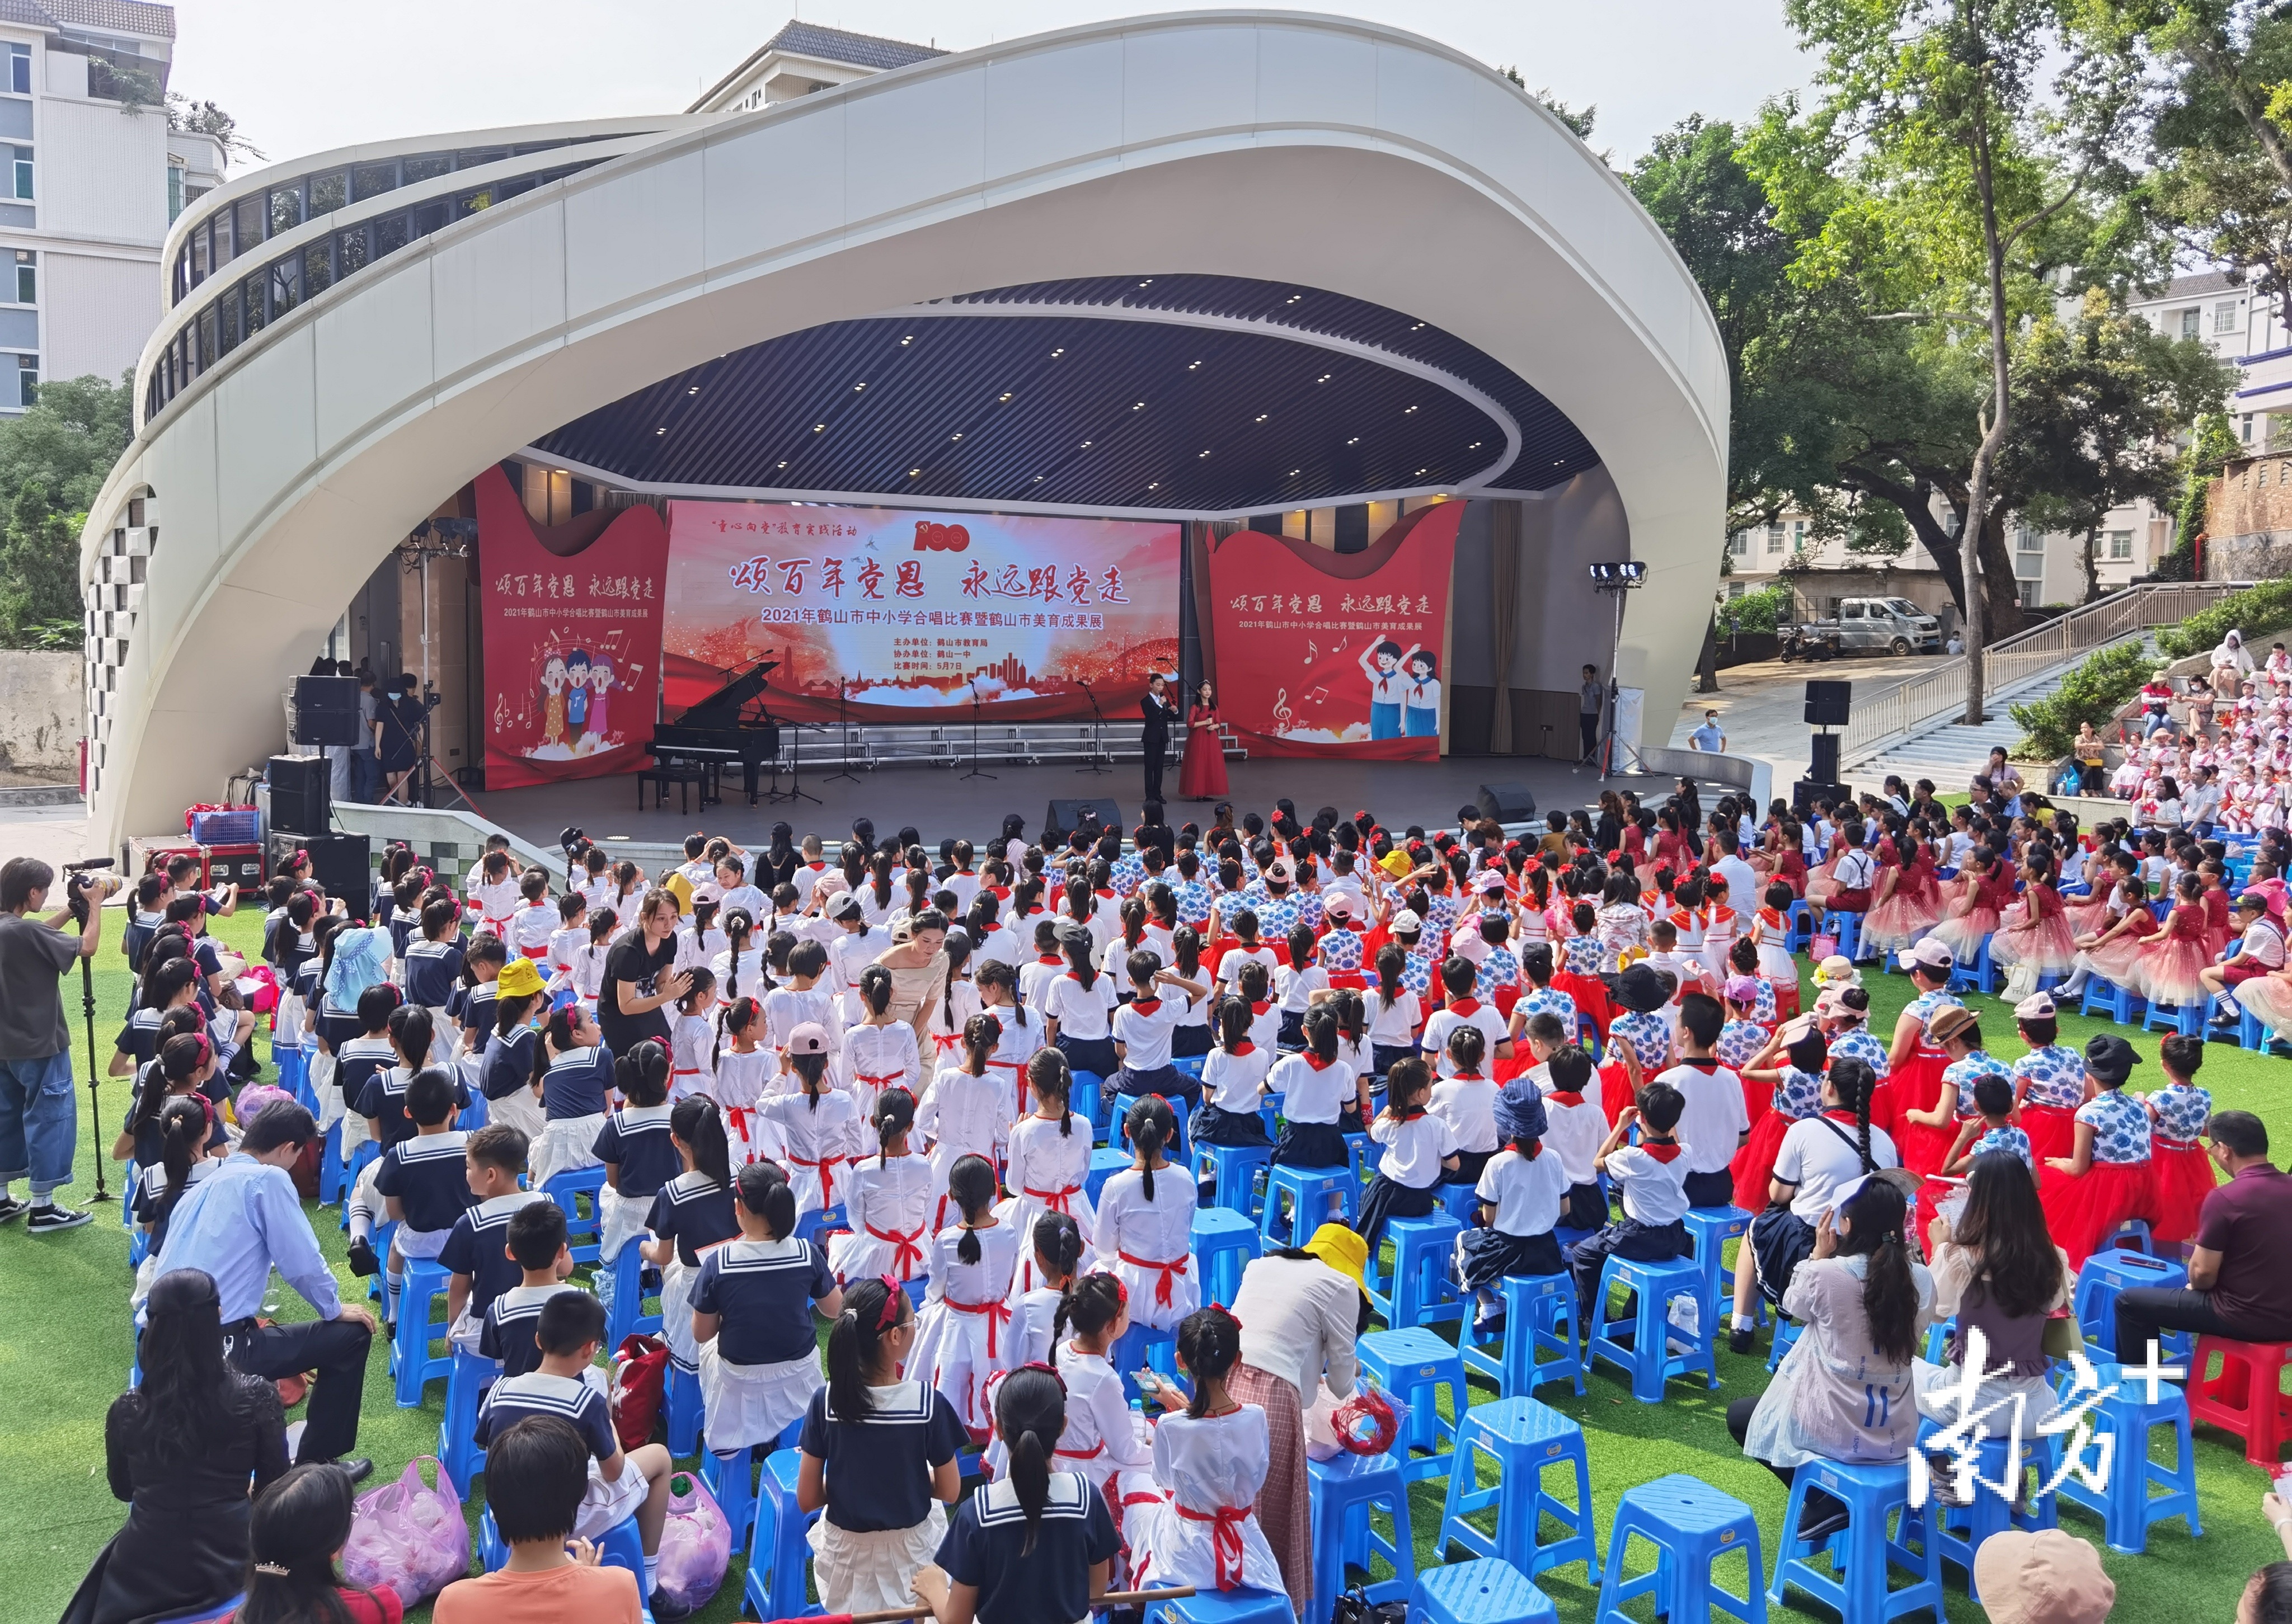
94	1073
1097	762
843	723
795	790
974	772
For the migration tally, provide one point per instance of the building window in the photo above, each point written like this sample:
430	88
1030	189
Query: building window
1798	536
28	379
2029	589
2029	540
23	172
1740	544
20	70
2224	316
2244	429
2120	544
2188	322
1774	538
27	283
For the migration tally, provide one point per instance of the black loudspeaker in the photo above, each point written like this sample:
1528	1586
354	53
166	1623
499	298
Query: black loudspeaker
301	794
1066	817
1507	803
326	710
344	864
1806	791
1824	769
1827	703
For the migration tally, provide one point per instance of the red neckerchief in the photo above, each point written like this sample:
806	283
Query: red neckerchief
1145	1005
1465	1006
1468	1077
1243	1047
1707	1066
1048	959
1841	1115
1260	1008
1566	1096
1771	918
1107	895
815	867
1663	1153
1317	1063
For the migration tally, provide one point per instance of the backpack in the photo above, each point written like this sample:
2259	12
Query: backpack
640	1387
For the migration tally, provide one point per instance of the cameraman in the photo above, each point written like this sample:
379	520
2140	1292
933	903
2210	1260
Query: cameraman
39	1123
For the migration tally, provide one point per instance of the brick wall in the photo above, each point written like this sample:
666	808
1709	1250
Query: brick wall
2248	520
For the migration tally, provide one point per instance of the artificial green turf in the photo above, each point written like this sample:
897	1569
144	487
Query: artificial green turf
65	1349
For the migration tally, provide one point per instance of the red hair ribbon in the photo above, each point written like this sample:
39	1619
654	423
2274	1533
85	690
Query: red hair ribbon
894	1291
1229	1313
1051	1371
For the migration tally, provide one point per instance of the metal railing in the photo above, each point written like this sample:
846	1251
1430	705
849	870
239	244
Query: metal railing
1939	694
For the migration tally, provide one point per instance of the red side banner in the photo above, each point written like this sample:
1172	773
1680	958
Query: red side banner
572	631
1335	655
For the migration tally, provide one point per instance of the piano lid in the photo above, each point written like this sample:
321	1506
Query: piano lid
722	709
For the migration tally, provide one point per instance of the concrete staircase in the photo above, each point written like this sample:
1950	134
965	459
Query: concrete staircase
1951	754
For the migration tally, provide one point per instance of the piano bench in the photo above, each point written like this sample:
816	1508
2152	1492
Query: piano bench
661	777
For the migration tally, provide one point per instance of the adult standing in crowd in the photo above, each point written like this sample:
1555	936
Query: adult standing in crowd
1154	739
366	761
40	1121
1590	696
918	970
181	1449
234	1228
2238	1284
639	979
1301	1310
399	737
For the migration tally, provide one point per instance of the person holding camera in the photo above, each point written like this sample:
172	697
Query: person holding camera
39	1124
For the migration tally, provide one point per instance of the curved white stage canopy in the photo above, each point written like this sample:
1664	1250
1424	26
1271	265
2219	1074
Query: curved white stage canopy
287	444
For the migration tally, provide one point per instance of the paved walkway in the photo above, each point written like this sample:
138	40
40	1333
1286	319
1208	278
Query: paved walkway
1763	705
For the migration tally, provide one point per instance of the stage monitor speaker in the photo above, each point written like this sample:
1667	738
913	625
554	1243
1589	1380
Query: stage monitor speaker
1507	802
326	710
301	794
1824	768
342	863
1066	817
1806	791
1827	703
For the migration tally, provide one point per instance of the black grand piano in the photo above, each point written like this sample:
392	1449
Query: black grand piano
730	725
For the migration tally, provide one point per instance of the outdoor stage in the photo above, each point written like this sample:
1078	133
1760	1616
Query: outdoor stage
941	802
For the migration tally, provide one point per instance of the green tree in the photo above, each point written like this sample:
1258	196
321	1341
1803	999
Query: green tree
53	460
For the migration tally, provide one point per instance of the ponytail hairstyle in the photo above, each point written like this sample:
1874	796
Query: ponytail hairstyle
740	925
1210	1340
972	1182
166	982
810	1069
1232	1023
699	1123
1150	1124
880	879
1132	914
875	989
1057	1240
700	993
1078	953
704	917
764	1191
510	1013
1352	1015
1256	981
1853	1081
625	880
895	1114
855	1343
298	1524
736	1020
980	1033
995	973
1245	929
179	1058
1875	1215
1467	1047
1088	1307
1048	1078
643	1074
556	1032
1321	1032
411	1030
1186	948
1301	945
1390	963
1031	1412
182	1130
956	946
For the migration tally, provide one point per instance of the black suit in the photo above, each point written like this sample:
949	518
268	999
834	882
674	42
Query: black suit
1156	741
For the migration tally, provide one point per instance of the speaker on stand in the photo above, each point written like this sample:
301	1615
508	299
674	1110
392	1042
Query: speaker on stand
1827	706
326	710
1506	803
302	797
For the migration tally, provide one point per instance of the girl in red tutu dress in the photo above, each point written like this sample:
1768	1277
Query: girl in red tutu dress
2035	931
2113	952
2108	1178
1973	915
2220	908
2172	963
2177	1114
1797	1094
1904	904
1914	1060
1201	774
2090	914
2048	1081
1926	1135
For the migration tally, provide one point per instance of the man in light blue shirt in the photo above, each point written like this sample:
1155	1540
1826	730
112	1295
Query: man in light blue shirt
236	1225
1709	735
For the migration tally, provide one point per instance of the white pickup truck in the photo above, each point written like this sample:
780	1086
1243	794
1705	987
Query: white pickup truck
1871	625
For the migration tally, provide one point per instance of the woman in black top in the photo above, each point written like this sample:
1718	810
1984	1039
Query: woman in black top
181	1449
398	731
638	980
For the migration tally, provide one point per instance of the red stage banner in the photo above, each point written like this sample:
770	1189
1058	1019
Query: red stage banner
906	610
572	639
1332	654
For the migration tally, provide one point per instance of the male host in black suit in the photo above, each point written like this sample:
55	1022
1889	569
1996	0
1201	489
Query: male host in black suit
1157	711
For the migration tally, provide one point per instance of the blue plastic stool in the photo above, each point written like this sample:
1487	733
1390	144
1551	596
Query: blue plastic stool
1187	1065
1419	1290
1309	1189
1345	1489
411	1362
1490	1591
583	1232
474	1115
2118	1003
622	1547
730	1478
2187	1019
1857	1589
816	1225
1802	925
2131	1236
624	1315
1176	1148
1848	928
1233	1168
1085	1098
685	1410
1414	1365
1268	1113
1691	1526
458	1451
1708	1231
1977	974
1240	1606
2251	1032
1223	1243
294	1076
215	1614
777	1547
1526	1439
2106	1274
1960	1531
1359	1148
2126	1504
1460	1202
1143	1345
1786	1333
347	1181
1650	1358
1539	1318
1105	1163
331	1188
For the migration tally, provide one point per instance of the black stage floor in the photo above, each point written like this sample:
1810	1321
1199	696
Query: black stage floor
942	802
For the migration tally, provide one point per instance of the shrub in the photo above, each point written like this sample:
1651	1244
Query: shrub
2257	612
1760	611
2090	693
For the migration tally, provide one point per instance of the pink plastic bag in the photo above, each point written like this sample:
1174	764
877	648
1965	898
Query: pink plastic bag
254	1097
1821	948
408	1536
260	987
696	1543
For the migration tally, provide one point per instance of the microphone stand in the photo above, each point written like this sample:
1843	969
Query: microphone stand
1096	763
843	723
94	1073
974	772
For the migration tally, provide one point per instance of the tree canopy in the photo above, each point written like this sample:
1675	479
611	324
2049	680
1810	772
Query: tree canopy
53	460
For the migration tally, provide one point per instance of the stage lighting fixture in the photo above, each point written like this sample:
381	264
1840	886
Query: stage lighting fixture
1618	573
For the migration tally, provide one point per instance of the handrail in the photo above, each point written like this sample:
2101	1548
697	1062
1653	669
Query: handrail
1882	718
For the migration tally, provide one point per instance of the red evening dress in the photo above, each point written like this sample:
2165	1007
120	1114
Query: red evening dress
1201	774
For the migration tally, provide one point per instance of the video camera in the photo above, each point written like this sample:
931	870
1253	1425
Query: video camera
79	882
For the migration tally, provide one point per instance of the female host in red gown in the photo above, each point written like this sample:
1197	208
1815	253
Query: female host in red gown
1201	774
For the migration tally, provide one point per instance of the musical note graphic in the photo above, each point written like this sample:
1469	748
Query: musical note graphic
1312	653
1283	716
1320	695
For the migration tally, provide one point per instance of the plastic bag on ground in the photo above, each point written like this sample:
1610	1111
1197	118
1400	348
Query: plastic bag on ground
696	1542
408	1536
